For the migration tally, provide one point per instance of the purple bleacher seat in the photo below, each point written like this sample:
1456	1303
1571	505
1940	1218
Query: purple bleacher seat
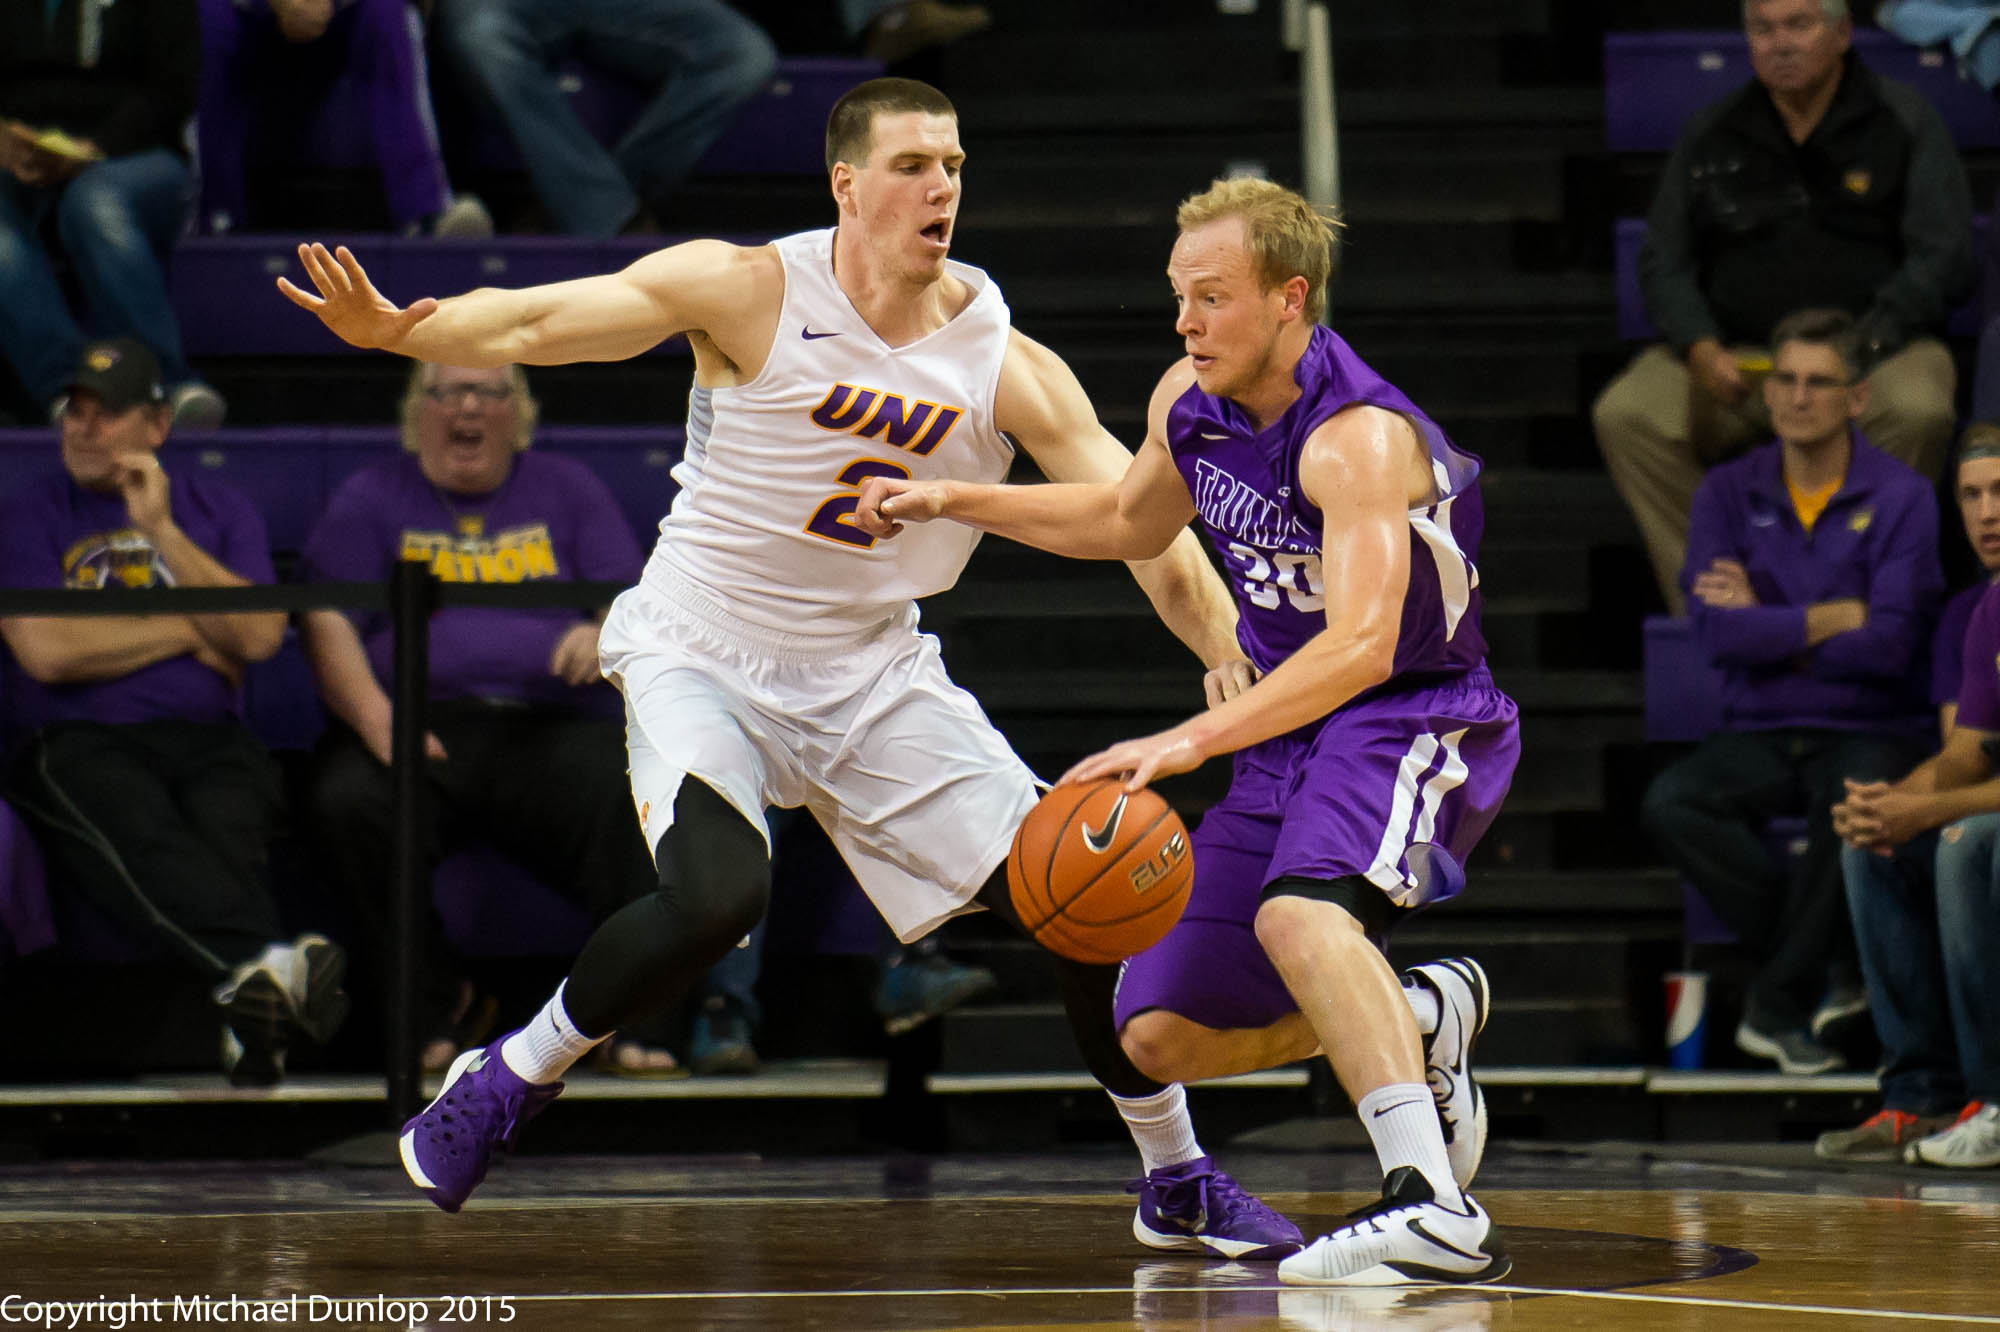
1683	688
348	449
1635	325
281	700
635	462
1653	81
224	290
493	908
27	924
280	468
782	131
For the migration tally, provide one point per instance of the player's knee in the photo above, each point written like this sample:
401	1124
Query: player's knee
714	868
1156	1046
1292	927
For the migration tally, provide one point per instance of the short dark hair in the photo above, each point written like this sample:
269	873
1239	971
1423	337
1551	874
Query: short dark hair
851	124
1824	328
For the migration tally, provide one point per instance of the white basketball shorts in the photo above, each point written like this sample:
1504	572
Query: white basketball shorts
917	790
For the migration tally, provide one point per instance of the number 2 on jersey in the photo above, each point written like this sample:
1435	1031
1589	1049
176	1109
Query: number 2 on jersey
834	518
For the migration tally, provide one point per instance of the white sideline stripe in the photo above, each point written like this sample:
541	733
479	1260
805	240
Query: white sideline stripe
989	1292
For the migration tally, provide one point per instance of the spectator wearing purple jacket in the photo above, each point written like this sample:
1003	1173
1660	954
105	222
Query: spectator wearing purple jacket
525	749
1812	578
149	795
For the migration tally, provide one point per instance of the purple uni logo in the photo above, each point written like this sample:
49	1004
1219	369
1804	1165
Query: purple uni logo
914	425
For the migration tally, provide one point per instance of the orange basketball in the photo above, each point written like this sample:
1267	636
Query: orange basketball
1098	874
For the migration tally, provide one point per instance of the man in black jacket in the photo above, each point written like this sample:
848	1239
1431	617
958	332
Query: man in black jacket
1817	184
94	104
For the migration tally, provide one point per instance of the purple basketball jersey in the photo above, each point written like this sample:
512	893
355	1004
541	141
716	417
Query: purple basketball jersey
1245	484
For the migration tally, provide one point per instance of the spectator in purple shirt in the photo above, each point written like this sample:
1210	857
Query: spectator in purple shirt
525	749
151	796
1812	579
1924	887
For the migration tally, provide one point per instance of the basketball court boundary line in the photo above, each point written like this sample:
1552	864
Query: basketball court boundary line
988	1293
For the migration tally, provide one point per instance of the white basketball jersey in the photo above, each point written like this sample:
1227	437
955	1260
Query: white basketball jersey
773	469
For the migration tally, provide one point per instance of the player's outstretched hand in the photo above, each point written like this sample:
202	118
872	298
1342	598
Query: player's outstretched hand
1140	761
887	502
348	303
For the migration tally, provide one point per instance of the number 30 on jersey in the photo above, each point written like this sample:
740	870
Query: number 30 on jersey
1283	575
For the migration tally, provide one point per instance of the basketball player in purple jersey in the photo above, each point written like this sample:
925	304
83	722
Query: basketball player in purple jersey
1369	756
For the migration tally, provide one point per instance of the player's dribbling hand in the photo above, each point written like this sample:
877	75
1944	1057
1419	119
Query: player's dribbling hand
887	502
1226	681
348	302
1141	760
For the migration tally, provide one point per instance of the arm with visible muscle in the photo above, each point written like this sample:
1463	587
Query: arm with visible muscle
725	291
1356	467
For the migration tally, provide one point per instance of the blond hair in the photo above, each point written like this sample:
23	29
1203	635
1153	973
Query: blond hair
527	411
1287	237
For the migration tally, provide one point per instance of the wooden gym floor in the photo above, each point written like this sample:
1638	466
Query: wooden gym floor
1600	1239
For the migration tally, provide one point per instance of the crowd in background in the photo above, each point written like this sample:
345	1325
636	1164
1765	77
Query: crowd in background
1781	450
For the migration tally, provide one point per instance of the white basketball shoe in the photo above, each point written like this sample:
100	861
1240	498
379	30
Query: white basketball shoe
1463	1004
1407	1239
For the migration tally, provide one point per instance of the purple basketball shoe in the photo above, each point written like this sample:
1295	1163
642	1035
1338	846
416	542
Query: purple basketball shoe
1194	1207
447	1147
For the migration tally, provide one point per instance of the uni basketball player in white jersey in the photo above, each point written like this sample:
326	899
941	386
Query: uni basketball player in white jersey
770	654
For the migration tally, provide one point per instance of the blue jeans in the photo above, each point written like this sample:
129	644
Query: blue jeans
1927	921
115	222
735	977
706	59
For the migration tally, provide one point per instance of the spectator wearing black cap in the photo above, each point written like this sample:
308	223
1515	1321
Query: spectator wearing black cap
94	105
149	795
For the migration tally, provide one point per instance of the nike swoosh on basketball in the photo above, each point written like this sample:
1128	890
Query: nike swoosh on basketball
810	336
1099	839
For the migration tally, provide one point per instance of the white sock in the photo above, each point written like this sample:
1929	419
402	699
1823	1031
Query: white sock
1423	1002
543	1050
1161	1126
1402	1120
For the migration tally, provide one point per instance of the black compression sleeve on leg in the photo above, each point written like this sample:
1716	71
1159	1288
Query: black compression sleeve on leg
715	884
1087	991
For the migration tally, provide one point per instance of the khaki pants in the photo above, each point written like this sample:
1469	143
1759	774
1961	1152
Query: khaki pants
1657	442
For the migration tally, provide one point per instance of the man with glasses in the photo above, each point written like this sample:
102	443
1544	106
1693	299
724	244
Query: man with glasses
1812	577
525	748
1817	184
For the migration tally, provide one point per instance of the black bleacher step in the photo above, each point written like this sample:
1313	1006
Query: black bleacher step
1527	503
1559	571
1544	691
1515	892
